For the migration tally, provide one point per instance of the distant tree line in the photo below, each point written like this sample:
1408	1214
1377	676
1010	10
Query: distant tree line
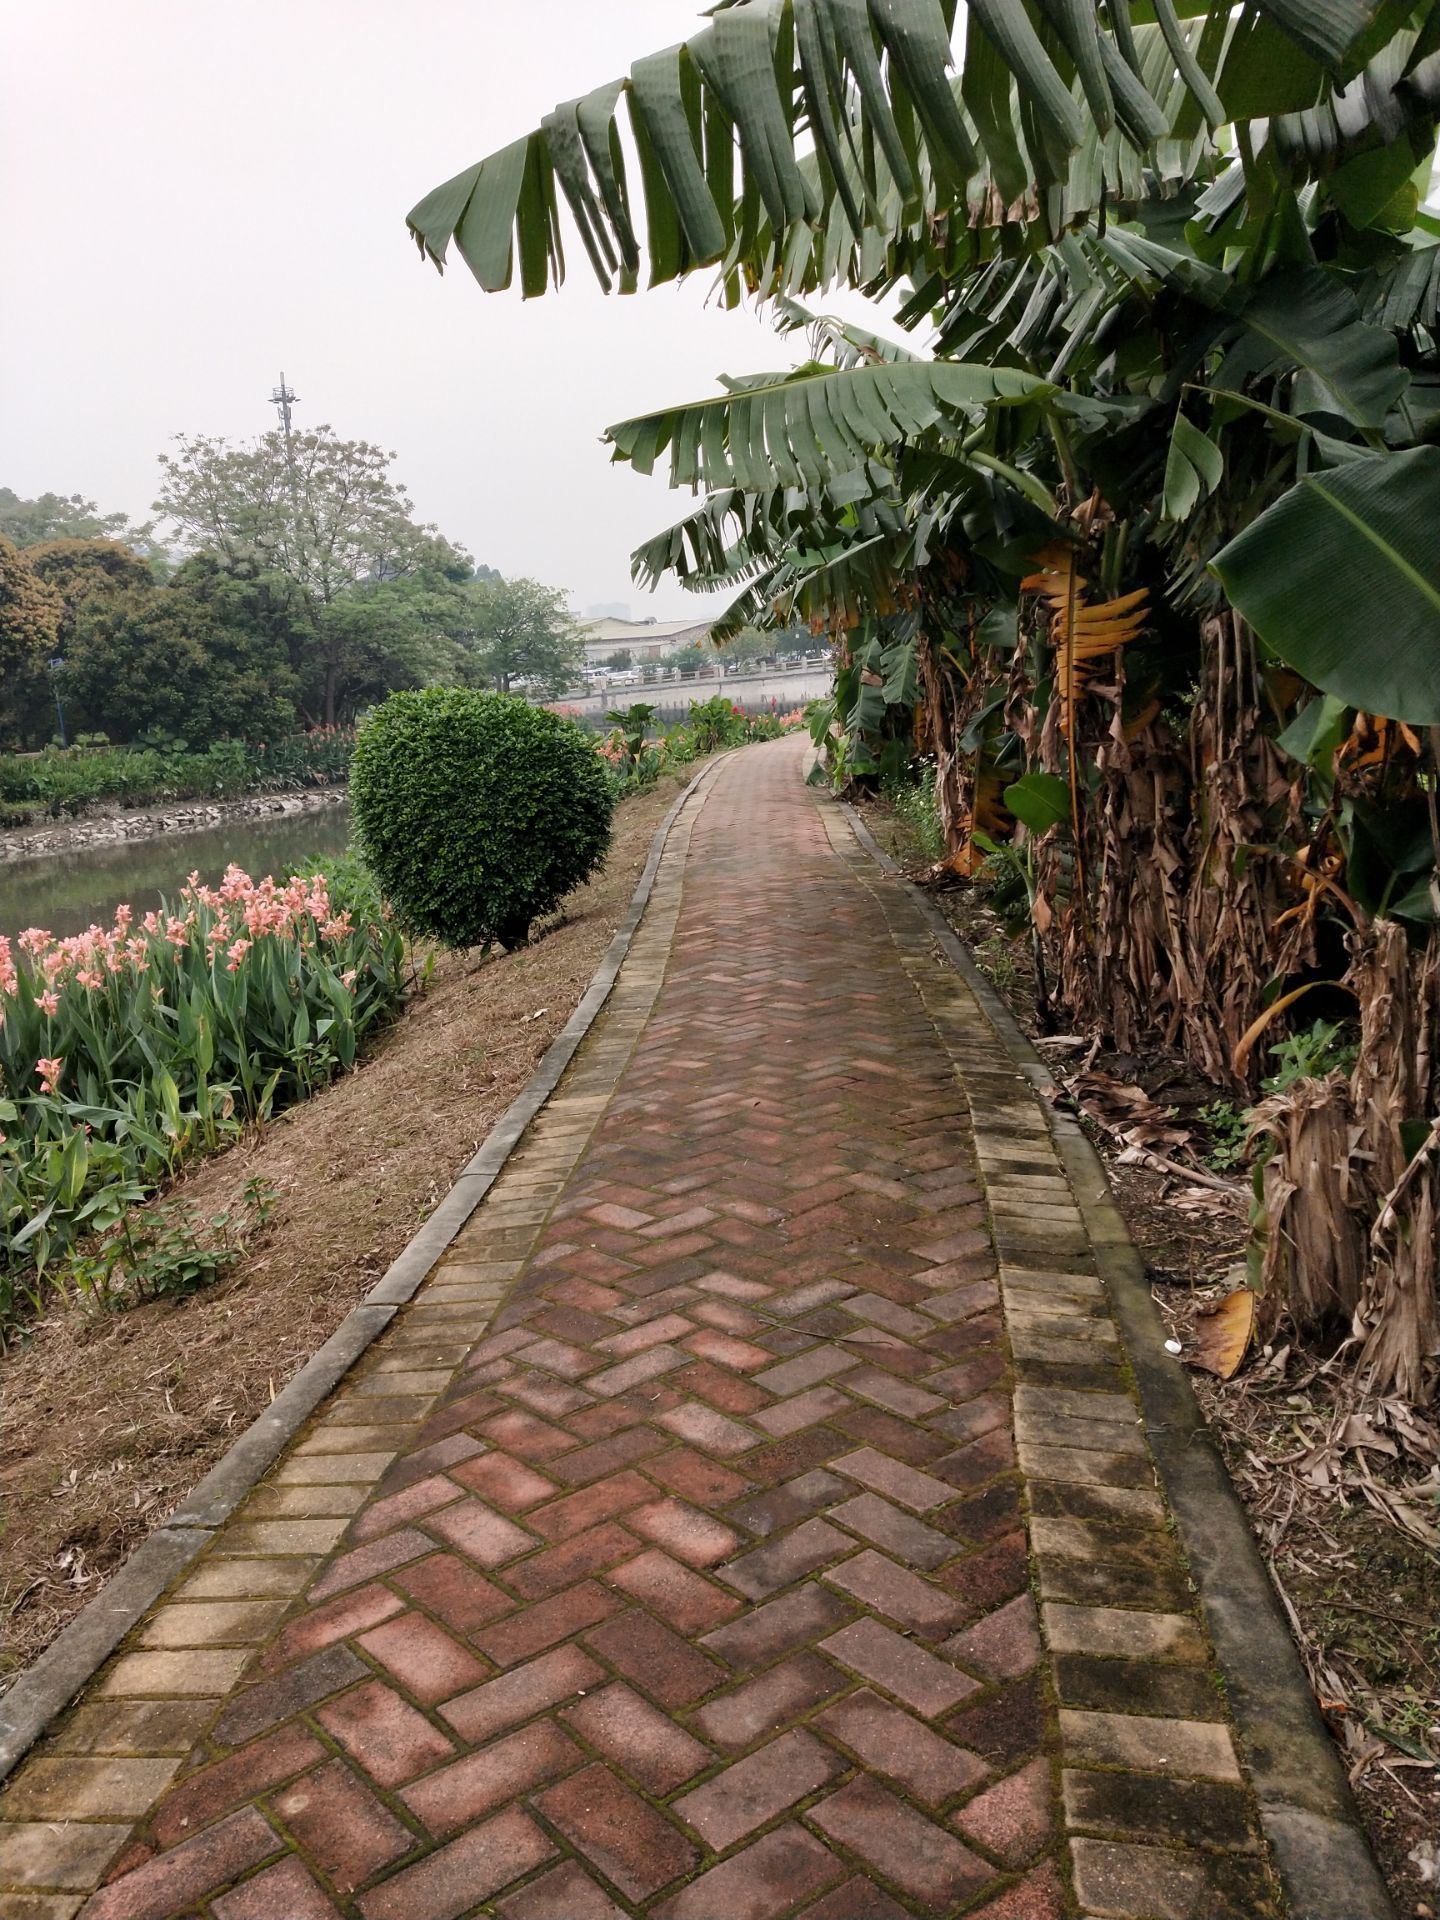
294	588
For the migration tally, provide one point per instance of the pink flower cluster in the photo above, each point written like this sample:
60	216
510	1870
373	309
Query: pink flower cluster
230	917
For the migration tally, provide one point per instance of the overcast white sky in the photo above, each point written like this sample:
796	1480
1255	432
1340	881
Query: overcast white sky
195	195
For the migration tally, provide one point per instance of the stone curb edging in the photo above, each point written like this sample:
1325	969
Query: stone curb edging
1309	1817
74	1657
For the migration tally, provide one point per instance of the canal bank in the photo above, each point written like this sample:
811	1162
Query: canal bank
71	873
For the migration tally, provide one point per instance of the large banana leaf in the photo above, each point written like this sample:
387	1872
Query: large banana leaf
1341	578
806	428
861	147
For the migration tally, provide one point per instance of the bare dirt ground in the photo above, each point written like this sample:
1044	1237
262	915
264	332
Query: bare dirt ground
110	1418
1342	1497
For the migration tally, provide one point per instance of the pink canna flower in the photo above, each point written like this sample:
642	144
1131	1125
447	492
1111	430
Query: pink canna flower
49	1004
49	1072
237	953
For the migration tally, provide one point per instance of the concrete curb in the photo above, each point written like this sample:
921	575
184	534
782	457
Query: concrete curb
1316	1841
74	1657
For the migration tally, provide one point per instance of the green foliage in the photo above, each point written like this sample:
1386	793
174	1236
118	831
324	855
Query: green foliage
1227	1125
1309	1055
55	783
477	812
166	1252
30	615
913	799
518	632
54	516
124	1052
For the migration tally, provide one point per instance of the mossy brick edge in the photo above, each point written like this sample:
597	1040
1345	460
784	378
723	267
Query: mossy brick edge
1312	1826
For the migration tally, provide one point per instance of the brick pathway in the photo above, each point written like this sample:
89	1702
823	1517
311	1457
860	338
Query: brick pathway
669	1555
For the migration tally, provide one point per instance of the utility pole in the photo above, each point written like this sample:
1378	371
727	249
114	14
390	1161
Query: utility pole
283	398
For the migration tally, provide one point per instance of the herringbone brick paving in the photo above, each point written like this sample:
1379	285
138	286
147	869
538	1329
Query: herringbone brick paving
699	1586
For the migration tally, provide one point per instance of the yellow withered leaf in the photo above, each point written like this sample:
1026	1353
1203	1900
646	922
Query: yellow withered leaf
1222	1337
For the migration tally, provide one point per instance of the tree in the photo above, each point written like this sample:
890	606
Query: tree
323	512
620	661
201	660
520	631
30	614
1174	359
53	516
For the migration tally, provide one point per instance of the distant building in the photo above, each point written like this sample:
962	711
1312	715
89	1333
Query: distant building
643	640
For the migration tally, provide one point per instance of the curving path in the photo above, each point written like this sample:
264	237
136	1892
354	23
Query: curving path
704	1540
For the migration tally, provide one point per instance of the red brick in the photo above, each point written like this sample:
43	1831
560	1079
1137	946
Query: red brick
924	1683
439	1455
559	1356
577	1511
388	1738
920	1858
512	1697
753	1791
984	1580
203	1796
780	1626
468	1870
457	1414
650	1333
323	1626
365	1563
691	1536
256	1709
471	1787
764	1880
1038	1896
173	1882
574	1559
785	1558
566	1892
666	1667
680	1596
795	1455
545	1396
857	1899
929	1767
704	1427
635	1847
523	1434
908	1539
284	1889
695	1478
547	1621
878	1584
447	1586
1012	1819
1003	1645
726	1351
903	1440
621	1450
480	1534
757	1708
647	1745
422	1657
1006	1726
605	1418
424	1496
343	1828
727	1391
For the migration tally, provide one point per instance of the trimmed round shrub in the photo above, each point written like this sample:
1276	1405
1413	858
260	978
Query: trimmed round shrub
477	812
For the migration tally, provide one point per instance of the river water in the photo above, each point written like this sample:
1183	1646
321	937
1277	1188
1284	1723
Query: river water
66	892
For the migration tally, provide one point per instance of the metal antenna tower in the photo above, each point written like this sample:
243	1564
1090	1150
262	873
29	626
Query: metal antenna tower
283	398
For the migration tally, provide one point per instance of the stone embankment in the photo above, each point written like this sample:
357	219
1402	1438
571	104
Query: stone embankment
110	825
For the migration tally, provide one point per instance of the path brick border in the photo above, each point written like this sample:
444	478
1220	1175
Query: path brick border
76	1655
1309	1818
